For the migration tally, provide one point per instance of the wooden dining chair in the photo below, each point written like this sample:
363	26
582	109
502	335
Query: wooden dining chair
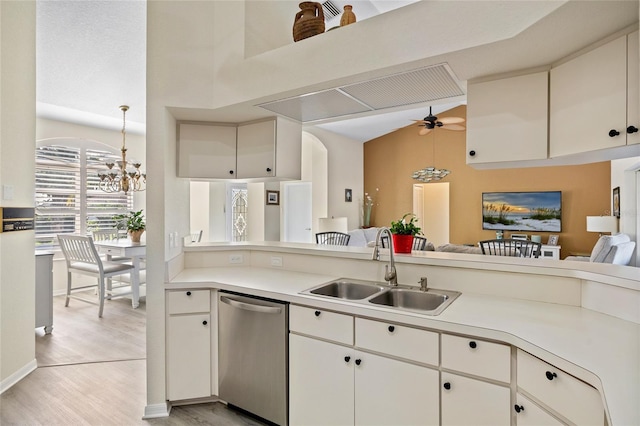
82	258
333	238
511	247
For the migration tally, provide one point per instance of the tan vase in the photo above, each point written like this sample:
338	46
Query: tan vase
348	17
309	21
135	235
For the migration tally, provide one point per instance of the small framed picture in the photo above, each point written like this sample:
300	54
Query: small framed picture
553	240
616	201
348	195
273	198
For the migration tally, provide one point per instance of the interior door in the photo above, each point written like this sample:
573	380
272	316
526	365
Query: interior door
297	212
431	206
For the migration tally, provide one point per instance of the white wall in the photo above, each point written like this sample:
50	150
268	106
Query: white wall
625	173
199	209
255	211
345	159
17	168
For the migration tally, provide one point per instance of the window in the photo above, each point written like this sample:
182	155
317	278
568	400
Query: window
239	214
68	199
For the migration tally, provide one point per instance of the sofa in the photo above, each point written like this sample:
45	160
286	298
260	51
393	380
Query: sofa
616	249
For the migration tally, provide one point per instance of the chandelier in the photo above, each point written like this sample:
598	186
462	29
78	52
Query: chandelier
127	176
431	174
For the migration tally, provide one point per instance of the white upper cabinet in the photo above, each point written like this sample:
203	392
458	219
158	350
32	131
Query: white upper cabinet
507	119
259	150
588	100
633	88
206	150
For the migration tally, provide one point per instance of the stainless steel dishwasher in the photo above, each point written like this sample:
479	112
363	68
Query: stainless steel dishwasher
254	354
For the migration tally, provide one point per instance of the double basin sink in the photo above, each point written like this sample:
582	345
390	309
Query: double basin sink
429	302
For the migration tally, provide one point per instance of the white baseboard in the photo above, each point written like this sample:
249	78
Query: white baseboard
18	375
155	411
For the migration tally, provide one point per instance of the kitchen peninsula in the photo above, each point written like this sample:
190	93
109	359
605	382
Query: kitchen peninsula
578	323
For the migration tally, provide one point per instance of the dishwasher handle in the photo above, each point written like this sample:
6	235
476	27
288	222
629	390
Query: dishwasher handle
250	306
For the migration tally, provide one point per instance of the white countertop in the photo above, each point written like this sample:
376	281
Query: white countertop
600	349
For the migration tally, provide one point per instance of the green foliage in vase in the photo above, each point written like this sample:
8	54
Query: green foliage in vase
132	221
405	226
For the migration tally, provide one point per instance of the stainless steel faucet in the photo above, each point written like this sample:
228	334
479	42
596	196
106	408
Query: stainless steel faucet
423	284
390	274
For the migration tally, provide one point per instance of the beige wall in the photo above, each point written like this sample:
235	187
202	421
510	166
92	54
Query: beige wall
390	160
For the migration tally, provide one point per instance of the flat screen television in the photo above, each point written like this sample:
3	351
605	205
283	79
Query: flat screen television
522	211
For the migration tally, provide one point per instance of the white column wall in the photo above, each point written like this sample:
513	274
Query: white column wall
17	169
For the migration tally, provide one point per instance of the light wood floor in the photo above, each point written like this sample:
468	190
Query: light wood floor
92	371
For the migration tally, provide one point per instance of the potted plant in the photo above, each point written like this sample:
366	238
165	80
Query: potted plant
402	233
133	222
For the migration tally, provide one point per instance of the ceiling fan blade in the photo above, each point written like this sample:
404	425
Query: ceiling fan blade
451	120
456	127
424	131
419	121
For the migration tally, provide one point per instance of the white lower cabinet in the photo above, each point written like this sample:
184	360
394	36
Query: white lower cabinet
330	384
320	382
188	344
391	392
467	401
529	414
559	392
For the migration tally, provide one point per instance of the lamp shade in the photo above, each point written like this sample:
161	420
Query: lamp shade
602	224
337	224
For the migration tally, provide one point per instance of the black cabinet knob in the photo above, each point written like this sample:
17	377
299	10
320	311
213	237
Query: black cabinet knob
472	153
632	129
230	172
391	329
188	293
447	385
551	375
269	169
473	344
204	322
358	361
518	408
347	358
613	133
317	313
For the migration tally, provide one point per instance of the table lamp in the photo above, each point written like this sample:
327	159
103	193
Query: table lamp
602	224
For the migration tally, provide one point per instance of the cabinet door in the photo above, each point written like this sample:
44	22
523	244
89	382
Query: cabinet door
467	401
529	414
188	356
206	151
320	382
390	392
256	150
507	119
633	86
588	99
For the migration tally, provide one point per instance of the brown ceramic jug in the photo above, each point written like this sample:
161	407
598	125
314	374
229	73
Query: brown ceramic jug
309	21
348	17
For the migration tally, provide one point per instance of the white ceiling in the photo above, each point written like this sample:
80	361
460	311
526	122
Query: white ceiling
91	57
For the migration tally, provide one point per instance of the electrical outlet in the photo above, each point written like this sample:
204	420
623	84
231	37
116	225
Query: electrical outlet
235	258
276	261
172	240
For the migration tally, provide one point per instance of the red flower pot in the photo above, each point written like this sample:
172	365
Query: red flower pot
402	243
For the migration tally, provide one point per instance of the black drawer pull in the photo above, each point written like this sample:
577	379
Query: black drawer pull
551	375
317	313
268	169
447	385
230	172
391	329
347	358
518	408
613	133
472	153
188	293
632	129
473	344
358	361
204	322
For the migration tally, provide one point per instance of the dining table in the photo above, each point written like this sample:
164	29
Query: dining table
126	248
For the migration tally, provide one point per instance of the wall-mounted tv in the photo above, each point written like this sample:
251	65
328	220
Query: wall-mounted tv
522	211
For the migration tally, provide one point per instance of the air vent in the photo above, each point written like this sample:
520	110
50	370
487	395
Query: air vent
330	10
403	89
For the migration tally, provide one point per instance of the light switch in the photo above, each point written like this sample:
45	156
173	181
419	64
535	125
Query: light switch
7	192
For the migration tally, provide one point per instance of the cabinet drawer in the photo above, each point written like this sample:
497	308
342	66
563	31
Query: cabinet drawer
529	414
188	301
321	323
473	356
397	340
568	396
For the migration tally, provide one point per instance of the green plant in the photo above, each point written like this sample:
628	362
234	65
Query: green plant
132	221
404	227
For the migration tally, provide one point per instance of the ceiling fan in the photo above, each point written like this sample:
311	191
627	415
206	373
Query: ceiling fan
430	122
